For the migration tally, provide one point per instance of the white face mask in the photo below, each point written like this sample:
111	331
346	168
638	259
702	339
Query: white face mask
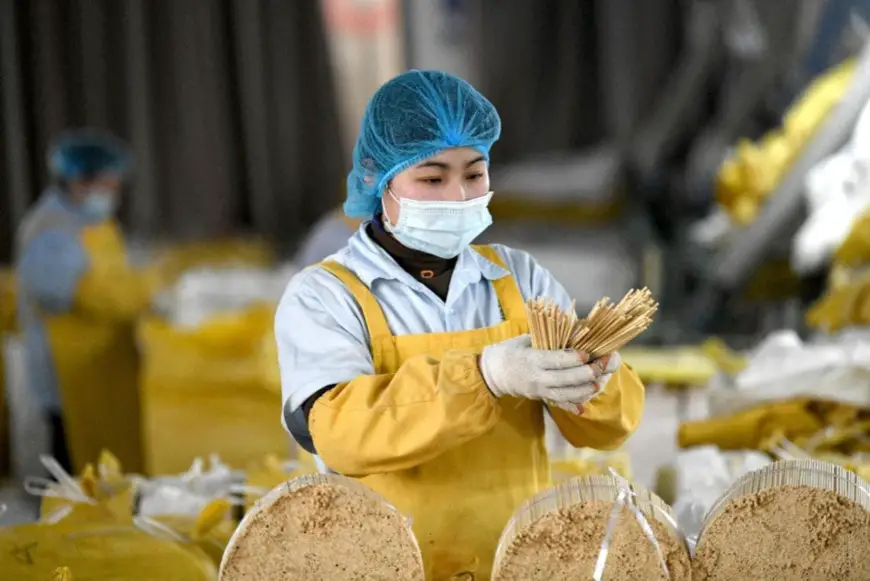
443	229
99	203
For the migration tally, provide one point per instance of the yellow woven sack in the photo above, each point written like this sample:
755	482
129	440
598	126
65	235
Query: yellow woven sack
173	260
94	552
203	392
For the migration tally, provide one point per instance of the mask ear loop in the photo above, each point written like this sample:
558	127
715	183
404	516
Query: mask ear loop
388	224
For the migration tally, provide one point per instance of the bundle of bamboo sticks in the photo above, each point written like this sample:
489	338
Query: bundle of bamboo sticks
607	327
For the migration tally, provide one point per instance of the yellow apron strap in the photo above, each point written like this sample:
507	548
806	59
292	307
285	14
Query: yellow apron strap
506	289
374	315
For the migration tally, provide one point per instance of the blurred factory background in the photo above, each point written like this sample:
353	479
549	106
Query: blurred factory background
713	150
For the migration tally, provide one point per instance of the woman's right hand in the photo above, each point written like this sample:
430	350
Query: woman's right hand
515	368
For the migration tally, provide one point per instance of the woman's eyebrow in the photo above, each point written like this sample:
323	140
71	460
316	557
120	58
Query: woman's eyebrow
443	165
478	159
432	163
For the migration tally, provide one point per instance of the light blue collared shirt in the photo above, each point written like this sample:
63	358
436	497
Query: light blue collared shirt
50	262
321	332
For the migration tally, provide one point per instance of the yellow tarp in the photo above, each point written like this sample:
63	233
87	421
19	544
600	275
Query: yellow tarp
203	392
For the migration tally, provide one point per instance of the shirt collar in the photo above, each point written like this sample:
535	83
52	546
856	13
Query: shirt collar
371	262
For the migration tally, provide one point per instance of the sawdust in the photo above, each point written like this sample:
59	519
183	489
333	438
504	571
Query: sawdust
565	545
788	533
324	532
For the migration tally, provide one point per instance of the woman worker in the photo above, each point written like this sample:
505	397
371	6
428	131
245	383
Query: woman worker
405	358
78	300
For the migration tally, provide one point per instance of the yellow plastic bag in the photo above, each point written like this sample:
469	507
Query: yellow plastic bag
203	392
93	551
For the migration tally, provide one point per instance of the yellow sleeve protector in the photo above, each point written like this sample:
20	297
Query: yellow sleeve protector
399	420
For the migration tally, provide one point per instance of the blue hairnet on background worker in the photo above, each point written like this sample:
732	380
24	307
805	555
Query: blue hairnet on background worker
78	299
405	357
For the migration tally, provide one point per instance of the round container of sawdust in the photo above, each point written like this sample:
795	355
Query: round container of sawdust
559	534
794	520
322	527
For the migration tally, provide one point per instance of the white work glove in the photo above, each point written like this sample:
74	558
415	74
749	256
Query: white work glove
563	378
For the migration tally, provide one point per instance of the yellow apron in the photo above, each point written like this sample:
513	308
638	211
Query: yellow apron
461	501
97	368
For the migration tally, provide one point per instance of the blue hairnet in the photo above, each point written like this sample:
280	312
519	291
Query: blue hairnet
410	118
84	154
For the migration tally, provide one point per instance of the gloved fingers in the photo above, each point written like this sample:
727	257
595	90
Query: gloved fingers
601	382
608	363
571	408
564	359
578	394
519	342
560	378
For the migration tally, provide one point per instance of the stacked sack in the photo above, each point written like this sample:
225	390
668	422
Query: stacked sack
91	527
750	175
794	399
106	520
209	358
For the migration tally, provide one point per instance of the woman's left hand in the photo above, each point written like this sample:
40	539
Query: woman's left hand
604	368
608	365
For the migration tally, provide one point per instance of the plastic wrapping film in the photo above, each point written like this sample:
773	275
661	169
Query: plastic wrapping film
191	508
97	495
200	294
298	484
832	369
799	476
698	478
644	505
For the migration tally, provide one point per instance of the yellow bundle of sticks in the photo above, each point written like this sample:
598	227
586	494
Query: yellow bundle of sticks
607	327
